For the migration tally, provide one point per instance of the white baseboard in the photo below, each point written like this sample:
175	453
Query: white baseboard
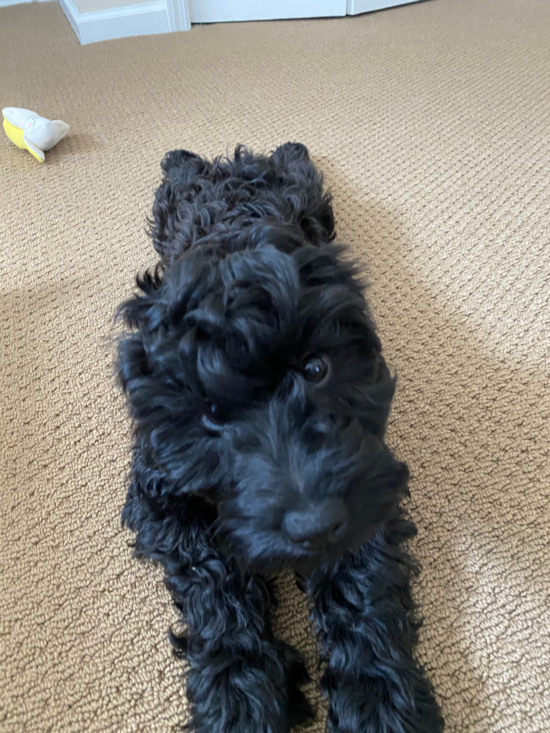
131	20
356	7
5	3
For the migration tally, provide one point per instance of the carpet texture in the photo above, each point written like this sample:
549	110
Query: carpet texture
432	125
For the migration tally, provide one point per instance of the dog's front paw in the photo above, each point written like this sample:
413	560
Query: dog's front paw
238	693
374	705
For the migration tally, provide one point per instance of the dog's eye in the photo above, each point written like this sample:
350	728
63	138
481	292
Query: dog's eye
212	414
316	369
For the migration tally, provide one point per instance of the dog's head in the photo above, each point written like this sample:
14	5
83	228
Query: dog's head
255	380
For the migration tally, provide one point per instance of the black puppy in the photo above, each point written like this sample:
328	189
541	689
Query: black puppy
259	398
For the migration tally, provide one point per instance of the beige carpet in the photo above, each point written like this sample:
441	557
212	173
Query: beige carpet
432	124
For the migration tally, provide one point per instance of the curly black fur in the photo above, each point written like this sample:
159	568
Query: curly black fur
259	397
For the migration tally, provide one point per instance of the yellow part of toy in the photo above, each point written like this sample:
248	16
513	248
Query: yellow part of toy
15	134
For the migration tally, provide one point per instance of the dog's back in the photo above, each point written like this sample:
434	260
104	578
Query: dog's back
199	200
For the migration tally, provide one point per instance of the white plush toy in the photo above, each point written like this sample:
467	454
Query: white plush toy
31	132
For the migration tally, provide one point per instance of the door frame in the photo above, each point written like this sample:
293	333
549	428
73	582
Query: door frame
179	16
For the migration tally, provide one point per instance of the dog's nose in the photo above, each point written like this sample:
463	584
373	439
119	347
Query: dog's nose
321	524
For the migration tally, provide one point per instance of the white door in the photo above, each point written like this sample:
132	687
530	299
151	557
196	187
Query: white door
220	11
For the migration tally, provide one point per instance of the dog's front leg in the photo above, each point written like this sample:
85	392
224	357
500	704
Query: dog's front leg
241	678
364	615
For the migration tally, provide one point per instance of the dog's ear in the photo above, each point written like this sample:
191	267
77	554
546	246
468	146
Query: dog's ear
166	297
379	397
158	315
371	397
144	311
